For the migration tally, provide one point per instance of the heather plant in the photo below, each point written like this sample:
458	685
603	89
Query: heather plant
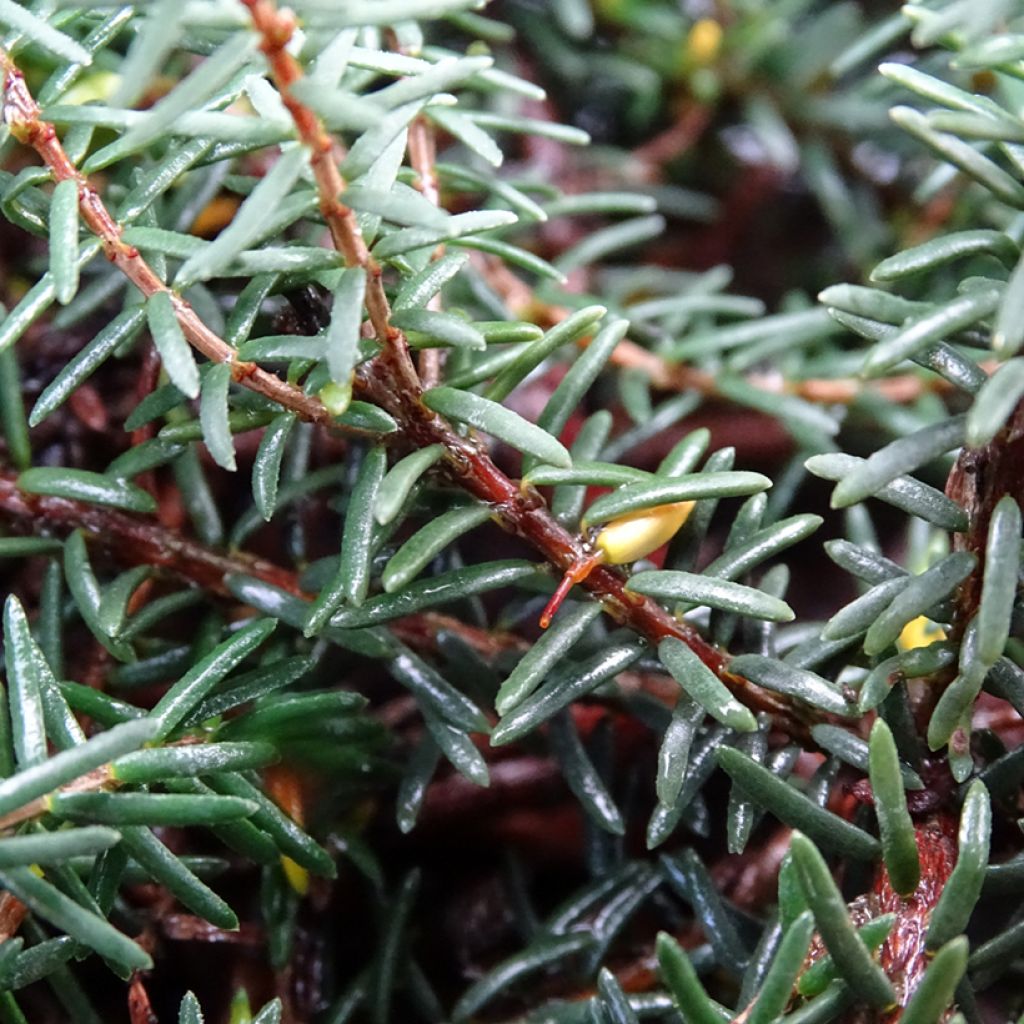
389	633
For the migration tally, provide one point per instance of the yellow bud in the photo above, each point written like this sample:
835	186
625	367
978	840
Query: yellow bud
703	42
920	632
298	876
638	534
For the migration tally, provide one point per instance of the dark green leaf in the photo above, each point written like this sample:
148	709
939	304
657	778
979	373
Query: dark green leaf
796	682
564	685
423	546
961	891
82	485
166	869
850	955
899	844
1002	557
905	493
701	684
49	903
670	585
778	983
995	402
679	976
148	808
432	329
935	991
539	956
944	249
213	416
64	240
920	594
691	487
266	467
185	694
526	361
444	588
582	777
401	478
793	808
145	766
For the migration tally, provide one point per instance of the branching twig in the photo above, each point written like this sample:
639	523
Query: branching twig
134	541
390	380
668	376
22	115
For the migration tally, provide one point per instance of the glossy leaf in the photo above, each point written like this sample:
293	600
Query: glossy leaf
213	415
185	694
920	594
266	467
703	686
715	593
849	954
691	487
564	685
71	764
999	586
171	344
52	905
961	892
526	361
164	868
396	486
64	239
496	420
82	485
691	1001
899	845
793	808
796	682
418	551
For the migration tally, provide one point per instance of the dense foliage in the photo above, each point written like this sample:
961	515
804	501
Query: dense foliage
331	342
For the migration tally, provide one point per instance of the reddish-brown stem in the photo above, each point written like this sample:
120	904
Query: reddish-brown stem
21	113
669	376
131	540
276	28
573	575
390	380
978	479
393	382
526	515
422	149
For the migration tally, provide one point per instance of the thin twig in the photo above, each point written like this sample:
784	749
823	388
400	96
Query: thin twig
22	116
276	29
132	540
422	147
668	376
